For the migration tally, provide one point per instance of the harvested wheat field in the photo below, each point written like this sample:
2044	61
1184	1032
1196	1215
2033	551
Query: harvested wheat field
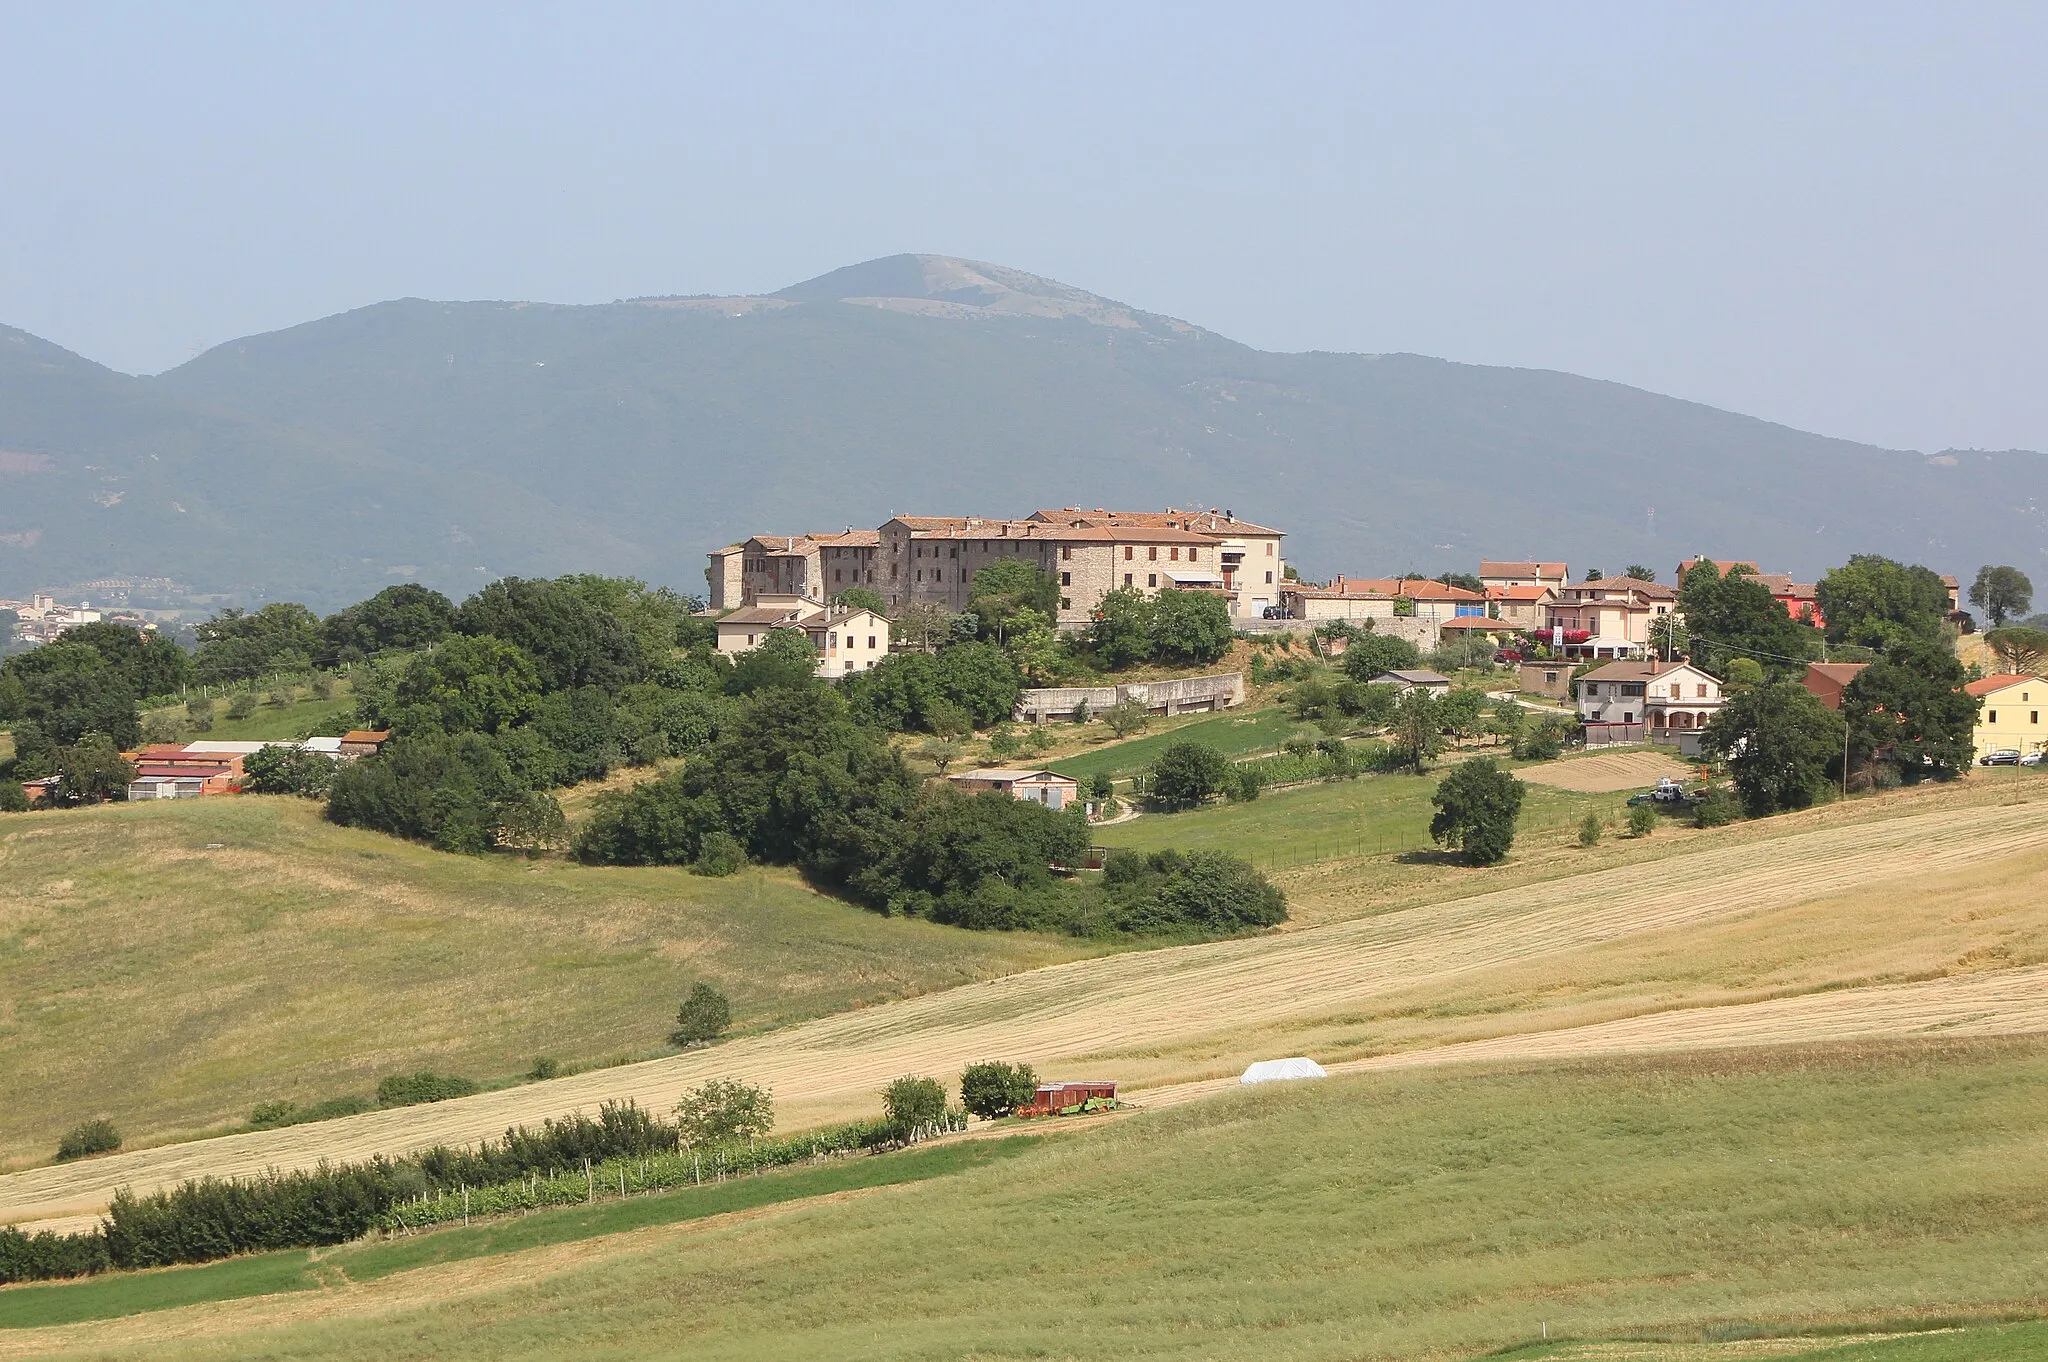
1751	923
1608	772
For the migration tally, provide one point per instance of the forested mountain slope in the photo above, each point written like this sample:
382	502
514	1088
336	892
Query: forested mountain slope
633	436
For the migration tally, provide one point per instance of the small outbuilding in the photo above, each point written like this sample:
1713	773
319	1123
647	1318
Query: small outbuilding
1281	1071
1068	1099
1049	788
1435	683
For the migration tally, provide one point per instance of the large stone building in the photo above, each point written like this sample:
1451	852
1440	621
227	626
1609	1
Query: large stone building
932	559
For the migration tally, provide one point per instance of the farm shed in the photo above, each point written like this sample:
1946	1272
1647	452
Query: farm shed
1059	1099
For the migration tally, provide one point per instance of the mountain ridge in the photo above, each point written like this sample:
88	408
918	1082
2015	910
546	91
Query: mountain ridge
461	439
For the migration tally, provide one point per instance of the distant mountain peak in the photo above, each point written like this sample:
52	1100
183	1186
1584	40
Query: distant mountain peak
949	286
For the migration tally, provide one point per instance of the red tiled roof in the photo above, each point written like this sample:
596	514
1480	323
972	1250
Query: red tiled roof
1980	689
365	735
1545	570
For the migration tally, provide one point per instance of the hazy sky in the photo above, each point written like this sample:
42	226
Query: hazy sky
1830	216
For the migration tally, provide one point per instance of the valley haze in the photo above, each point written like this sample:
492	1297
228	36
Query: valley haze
456	442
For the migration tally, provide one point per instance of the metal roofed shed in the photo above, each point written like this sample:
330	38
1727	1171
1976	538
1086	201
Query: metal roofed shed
1281	1071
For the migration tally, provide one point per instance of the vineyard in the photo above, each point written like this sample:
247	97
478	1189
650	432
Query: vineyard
1759	938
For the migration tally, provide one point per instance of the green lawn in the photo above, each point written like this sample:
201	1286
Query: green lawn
1372	815
134	1293
170	964
304	716
1233	733
1439	1214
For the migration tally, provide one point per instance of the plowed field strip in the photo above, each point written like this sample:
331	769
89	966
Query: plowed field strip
831	1068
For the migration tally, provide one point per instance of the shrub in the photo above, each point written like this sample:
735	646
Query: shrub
283	769
703	1017
13	799
725	1109
89	1137
1589	830
719	854
1716	808
272	1115
322	685
408	1090
544	1068
1173	891
993	1089
162	728
1477	805
242	705
1127	716
948	720
912	1104
1540	741
280	697
1642	821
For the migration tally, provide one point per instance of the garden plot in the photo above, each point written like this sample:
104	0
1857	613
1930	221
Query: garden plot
1608	772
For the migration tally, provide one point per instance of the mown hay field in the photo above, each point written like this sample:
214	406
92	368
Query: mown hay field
1829	912
1420	1214
170	965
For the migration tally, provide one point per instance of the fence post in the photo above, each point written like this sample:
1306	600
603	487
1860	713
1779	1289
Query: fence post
589	1182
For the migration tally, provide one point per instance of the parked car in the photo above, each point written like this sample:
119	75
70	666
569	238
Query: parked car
1274	612
2004	757
1668	791
1506	657
2033	758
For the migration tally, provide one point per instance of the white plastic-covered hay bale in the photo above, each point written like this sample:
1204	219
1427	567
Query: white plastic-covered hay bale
1281	1070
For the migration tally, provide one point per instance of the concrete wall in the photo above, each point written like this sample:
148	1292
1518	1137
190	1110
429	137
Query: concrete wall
1178	696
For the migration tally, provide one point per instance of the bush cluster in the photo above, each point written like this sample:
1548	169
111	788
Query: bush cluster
408	1090
88	1138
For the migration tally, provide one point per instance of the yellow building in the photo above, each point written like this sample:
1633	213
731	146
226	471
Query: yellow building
2009	714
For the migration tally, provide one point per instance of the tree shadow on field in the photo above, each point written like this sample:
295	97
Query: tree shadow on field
1434	856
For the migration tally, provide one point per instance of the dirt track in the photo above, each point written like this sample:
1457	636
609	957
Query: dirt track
1173	1018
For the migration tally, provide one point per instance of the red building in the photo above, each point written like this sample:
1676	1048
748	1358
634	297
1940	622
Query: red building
1065	1099
1799	598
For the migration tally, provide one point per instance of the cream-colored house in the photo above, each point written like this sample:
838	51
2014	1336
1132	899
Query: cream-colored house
1661	699
845	640
2009	713
1049	788
1249	565
1504	575
1614	612
1524	606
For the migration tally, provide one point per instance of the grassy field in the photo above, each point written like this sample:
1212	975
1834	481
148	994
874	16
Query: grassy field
1755	934
133	1293
170	965
1375	815
1412	1215
1235	733
301	718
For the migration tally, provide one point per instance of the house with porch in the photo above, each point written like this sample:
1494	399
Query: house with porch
1646	701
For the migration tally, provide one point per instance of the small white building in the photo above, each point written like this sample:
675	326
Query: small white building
1435	683
1049	788
846	639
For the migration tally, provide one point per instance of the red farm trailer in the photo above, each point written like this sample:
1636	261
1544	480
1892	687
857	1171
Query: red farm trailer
1068	1099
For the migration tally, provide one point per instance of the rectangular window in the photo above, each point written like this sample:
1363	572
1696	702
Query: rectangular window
1152	554
1066	552
871	640
1066	604
1174	554
1269	549
1066	579
1127	579
1269	579
832	639
1127	553
2036	717
1151	579
837	575
1701	690
920	574
1992	717
954	552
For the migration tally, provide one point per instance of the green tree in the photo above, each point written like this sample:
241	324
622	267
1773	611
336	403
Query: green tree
921	624
992	1089
239	646
572	642
2001	593
1642	821
942	752
1741	674
1187	773
406	616
1175	891
450	791
863	598
1127	716
1467	580
1461	710
723	1110
784	660
658	617
284	768
1416	736
1873	601
466	685
703	1017
1375	655
1007	590
1542	740
1121	632
55	694
1476	808
914	1106
1736	616
719	854
1190	626
91	770
1589	830
1777	740
2021	649
1911	704
148	662
1506	721
980	678
1639	572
